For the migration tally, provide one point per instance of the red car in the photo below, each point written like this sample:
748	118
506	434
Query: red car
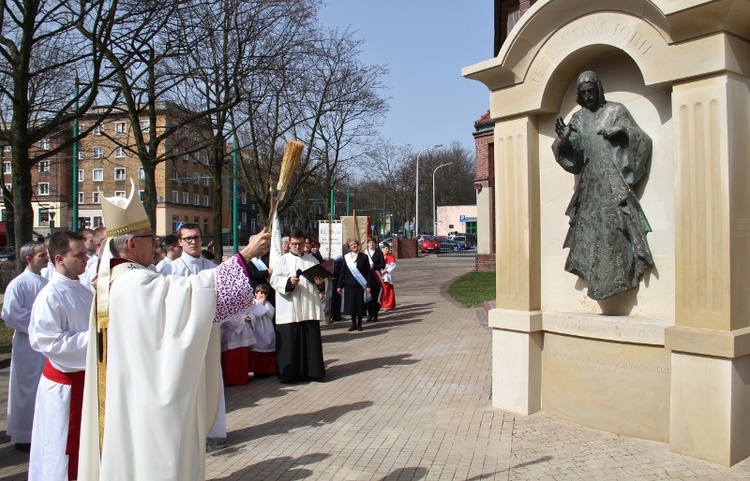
430	244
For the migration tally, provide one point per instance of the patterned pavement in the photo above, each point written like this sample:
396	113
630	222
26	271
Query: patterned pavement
408	398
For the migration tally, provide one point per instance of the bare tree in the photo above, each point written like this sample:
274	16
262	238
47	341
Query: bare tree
393	171
241	38
42	53
323	96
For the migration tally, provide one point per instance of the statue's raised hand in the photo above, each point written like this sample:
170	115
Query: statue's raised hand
563	130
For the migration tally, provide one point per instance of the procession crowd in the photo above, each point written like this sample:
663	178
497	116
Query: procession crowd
70	310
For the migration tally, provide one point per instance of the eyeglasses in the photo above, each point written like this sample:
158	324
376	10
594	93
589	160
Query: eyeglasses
194	238
294	243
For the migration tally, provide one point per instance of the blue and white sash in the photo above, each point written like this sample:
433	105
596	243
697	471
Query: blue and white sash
352	265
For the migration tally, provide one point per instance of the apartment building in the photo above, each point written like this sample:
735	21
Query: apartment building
108	159
51	184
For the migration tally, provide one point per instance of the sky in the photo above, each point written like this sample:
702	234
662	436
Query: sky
425	44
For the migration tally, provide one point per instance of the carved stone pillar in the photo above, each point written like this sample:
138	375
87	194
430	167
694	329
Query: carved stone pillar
516	322
710	342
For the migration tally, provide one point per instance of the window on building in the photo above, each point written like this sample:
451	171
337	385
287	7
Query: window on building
206	203
175	196
140	194
81	175
243	217
120	173
81	154
97	221
176	152
185	156
7	168
81	198
7	149
196	199
196	220
119	193
44	144
175	221
120	128
145	125
141	173
186	197
98	152
43	188
253	225
175	175
8	187
119	152
196	178
43	217
98	175
206	180
44	166
205	225
95	198
244	198
205	158
99	130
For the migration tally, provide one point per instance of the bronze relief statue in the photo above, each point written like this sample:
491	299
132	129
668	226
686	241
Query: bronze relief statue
604	146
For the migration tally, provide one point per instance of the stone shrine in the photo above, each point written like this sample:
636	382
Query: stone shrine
668	360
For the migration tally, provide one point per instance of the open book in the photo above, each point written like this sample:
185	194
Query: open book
323	270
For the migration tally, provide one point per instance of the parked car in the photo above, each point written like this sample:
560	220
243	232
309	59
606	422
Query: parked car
446	244
387	241
7	253
459	243
430	244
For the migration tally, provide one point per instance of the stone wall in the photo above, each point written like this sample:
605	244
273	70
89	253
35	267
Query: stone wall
484	262
405	248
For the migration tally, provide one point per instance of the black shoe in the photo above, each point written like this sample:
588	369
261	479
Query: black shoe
369	318
23	447
353	328
359	328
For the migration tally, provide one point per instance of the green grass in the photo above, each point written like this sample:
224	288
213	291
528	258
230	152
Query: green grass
474	288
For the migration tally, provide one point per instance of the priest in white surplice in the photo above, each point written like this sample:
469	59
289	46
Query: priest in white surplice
146	386
299	348
25	363
191	262
58	329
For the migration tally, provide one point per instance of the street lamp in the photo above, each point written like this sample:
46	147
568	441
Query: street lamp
434	209
416	207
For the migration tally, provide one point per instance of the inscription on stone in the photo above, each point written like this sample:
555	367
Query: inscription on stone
627	37
608	366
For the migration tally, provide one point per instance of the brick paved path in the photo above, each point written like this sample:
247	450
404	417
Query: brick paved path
409	399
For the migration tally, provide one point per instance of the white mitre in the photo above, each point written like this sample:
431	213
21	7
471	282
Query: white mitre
123	215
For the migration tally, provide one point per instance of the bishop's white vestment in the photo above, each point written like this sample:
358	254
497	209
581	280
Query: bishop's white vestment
157	402
25	363
187	265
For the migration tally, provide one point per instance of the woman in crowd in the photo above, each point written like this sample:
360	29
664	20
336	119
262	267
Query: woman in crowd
355	281
388	300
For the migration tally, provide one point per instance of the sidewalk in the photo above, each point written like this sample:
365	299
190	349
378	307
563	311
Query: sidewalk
409	399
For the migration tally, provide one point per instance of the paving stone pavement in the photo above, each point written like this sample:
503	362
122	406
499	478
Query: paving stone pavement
409	399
